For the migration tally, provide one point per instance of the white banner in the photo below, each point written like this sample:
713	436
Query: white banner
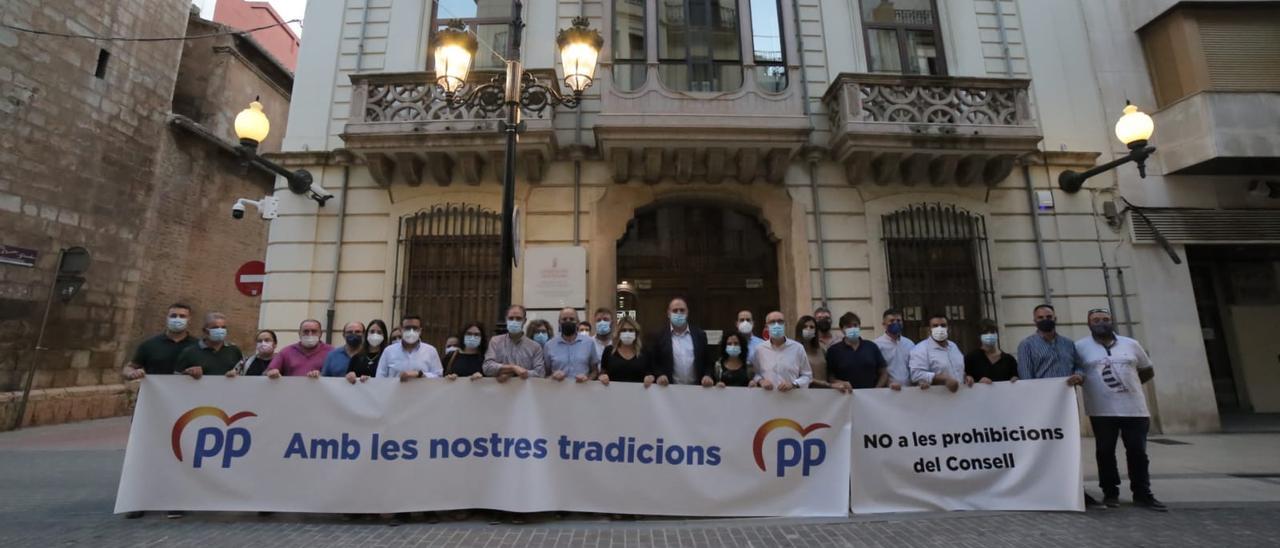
991	447
307	445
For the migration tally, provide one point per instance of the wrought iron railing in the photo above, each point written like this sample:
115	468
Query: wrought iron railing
412	97
929	100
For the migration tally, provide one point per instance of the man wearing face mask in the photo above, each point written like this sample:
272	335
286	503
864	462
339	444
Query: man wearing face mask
781	363
604	330
1116	367
570	354
212	355
412	358
826	336
937	361
303	358
746	327
512	354
853	363
895	348
1045	354
157	355
680	350
450	346
338	361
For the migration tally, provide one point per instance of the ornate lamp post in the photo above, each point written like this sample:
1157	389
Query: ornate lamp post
1133	129
252	128
454	49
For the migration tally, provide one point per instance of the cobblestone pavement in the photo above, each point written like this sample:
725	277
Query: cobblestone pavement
65	497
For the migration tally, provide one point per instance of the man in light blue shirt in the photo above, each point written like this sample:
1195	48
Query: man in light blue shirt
571	354
338	360
1046	354
746	326
410	358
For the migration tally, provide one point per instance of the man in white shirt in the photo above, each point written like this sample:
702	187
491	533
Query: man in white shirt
896	349
781	362
937	361
1115	369
411	358
746	326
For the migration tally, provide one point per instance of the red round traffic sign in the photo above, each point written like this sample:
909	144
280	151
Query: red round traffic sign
249	278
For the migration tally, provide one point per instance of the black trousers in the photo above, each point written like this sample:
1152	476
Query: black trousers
1133	432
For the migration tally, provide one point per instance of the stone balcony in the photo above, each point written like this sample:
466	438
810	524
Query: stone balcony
891	128
1220	133
656	134
402	129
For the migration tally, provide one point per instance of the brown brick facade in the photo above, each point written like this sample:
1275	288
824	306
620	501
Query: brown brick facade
95	162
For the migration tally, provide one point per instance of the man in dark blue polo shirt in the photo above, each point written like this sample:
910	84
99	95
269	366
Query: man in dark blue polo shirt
854	362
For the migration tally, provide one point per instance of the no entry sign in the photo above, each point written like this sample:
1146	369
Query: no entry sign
249	278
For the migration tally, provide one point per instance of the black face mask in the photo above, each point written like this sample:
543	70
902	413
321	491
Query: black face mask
824	325
1101	330
568	328
354	340
1046	325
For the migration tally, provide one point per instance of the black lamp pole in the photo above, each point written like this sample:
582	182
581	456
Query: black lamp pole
511	128
1071	182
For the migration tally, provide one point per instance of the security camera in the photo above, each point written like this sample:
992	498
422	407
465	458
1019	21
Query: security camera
268	207
319	194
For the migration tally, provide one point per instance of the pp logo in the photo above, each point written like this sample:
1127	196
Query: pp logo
212	441
791	452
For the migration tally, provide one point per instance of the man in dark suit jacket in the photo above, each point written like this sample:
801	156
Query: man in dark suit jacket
680	350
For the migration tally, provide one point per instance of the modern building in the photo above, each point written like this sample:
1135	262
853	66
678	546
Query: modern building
125	149
281	42
783	154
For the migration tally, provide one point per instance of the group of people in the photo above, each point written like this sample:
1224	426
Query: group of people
1110	368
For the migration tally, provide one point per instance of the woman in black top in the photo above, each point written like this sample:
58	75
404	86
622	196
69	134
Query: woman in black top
990	364
266	350
625	360
732	369
365	364
469	359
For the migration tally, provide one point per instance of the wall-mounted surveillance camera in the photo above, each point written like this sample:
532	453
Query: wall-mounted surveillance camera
319	194
268	207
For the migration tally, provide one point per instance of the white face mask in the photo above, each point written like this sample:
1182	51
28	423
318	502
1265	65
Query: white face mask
744	327
471	341
310	341
989	339
375	339
627	337
410	336
807	333
176	324
938	333
266	347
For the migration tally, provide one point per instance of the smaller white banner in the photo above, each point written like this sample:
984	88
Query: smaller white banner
1003	446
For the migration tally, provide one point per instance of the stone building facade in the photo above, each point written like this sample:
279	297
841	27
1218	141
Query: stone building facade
122	148
765	154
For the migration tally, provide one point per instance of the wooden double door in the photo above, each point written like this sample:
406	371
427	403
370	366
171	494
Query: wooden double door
720	260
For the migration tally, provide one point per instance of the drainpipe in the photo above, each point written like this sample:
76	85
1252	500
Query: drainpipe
1026	173
812	157
330	310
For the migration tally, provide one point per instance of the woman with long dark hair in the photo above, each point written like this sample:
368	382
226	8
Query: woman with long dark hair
365	364
468	361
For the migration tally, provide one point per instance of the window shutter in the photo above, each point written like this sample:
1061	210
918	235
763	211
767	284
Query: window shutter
1242	49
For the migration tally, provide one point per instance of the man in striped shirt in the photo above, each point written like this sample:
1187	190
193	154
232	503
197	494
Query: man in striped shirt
1046	354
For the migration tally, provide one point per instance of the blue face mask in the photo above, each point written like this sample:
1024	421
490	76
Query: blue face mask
515	326
540	337
777	330
471	341
218	334
354	340
852	332
733	350
678	319
603	327
894	328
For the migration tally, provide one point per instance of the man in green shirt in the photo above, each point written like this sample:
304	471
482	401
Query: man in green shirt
156	355
213	355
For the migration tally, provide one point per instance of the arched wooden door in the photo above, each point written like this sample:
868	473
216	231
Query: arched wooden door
719	259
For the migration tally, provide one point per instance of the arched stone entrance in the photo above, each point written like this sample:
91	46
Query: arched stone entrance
772	219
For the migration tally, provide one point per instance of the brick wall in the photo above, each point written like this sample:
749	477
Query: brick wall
93	162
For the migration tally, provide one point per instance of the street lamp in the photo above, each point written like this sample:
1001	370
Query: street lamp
454	49
252	128
1133	129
